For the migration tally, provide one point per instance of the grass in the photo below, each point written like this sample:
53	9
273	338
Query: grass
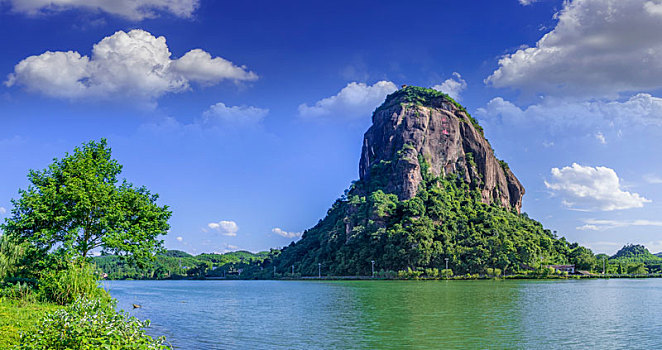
18	316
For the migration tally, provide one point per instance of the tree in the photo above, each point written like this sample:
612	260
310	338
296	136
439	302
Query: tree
77	204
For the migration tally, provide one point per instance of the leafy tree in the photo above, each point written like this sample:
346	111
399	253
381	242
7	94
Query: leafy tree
78	204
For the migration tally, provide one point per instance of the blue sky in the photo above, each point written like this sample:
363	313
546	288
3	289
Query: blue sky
247	117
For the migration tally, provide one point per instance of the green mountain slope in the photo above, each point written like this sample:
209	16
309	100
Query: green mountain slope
635	253
452	215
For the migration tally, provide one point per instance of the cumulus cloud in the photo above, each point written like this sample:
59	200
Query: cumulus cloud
598	48
527	2
592	188
452	86
179	238
236	115
602	225
131	9
3	210
354	100
286	234
641	109
226	228
135	65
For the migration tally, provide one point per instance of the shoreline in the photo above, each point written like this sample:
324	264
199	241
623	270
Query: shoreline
369	278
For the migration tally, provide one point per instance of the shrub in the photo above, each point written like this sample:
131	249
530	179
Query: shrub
79	279
17	290
494	272
90	324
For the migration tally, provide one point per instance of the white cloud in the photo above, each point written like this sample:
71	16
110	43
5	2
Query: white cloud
601	225
3	210
654	246
286	234
226	228
131	9
592	188
354	100
198	65
179	238
527	2
606	247
598	48
452	86
233	247
640	109
653	179
236	115
600	137
134	65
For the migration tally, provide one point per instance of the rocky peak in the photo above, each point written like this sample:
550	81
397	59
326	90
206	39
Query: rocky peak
415	124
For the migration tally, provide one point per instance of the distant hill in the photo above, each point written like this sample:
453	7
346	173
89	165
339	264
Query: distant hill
174	264
177	254
635	253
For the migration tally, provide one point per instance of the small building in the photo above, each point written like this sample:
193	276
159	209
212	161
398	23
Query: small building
563	268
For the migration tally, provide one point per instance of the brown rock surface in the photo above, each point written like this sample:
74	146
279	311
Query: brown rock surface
416	122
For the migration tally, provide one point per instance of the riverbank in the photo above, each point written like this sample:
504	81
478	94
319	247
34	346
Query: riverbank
20	316
423	278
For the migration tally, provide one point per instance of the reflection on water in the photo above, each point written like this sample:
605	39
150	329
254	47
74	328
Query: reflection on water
605	314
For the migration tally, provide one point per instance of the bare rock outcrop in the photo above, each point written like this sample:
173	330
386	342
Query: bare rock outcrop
417	125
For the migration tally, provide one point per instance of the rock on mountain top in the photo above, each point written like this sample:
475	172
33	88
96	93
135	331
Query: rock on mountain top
416	126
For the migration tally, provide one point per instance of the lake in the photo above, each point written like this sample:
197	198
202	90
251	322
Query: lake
513	314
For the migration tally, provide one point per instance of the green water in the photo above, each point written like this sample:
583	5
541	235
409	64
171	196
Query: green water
576	314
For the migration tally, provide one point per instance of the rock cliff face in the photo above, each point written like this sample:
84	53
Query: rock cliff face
417	125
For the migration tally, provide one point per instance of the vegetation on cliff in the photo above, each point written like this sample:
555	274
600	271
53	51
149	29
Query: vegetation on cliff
447	221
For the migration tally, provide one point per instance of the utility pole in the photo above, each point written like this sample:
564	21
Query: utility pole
274	271
319	270
604	265
446	263
292	270
373	268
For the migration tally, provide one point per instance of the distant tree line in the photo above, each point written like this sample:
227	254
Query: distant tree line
175	264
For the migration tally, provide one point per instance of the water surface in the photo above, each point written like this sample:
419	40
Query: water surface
573	314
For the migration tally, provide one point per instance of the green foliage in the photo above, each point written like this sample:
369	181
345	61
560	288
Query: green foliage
446	219
77	204
635	253
637	269
492	272
174	264
20	316
90	324
63	286
504	165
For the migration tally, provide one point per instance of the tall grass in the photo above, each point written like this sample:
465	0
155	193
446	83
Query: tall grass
79	279
11	255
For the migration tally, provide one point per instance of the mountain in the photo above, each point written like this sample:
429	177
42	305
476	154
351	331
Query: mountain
430	190
635	253
416	122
